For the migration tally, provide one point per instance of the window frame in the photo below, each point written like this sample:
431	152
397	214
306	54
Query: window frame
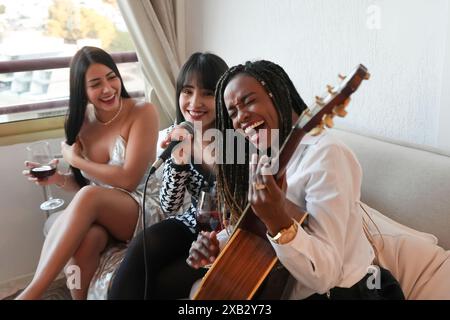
17	131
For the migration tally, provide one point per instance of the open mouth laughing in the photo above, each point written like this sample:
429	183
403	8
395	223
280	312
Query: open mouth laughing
108	100
252	131
196	114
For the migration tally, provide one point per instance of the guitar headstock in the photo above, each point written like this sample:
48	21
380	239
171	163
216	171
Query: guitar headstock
333	104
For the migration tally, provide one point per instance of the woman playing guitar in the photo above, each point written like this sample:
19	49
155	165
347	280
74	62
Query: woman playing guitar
329	255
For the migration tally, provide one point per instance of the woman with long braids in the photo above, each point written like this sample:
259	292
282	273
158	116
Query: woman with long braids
190	168
329	256
111	143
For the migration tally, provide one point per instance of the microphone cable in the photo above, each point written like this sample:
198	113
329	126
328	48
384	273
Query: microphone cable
188	126
143	232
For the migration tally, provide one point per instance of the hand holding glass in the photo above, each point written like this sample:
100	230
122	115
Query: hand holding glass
39	153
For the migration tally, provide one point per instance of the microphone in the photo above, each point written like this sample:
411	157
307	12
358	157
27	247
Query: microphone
166	153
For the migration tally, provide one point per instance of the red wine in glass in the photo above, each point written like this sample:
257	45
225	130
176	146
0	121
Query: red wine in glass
40	153
207	215
208	221
43	172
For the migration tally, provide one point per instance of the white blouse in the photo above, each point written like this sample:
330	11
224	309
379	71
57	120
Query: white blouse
331	250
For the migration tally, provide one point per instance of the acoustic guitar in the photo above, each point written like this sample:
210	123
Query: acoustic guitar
248	256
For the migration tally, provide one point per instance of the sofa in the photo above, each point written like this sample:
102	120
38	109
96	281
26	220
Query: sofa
407	191
408	183
406	195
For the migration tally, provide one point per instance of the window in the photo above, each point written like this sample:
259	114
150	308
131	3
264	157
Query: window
39	31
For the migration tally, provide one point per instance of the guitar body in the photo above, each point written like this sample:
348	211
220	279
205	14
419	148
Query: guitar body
238	276
248	257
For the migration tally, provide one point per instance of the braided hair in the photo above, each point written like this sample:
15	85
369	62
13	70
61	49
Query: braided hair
232	179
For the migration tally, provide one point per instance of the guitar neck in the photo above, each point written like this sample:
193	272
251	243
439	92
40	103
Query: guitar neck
287	150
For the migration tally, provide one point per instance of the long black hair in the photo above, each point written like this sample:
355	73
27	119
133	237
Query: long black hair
232	179
206	67
78	99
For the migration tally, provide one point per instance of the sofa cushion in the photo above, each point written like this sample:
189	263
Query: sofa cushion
378	223
421	267
406	182
110	260
413	257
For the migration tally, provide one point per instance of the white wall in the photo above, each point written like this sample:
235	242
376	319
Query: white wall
314	40
22	221
444	126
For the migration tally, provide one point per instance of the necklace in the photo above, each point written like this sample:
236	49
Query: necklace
113	118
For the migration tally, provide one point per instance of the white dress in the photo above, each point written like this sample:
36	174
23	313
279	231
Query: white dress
117	158
115	252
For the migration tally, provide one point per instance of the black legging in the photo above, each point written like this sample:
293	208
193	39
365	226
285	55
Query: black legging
169	276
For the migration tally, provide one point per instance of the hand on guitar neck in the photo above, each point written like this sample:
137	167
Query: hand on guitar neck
204	250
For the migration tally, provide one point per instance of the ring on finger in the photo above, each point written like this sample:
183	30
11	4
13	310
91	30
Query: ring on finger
259	186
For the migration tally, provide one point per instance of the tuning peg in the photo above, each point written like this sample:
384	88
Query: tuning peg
346	102
340	111
328	120
367	76
330	89
319	101
317	130
342	77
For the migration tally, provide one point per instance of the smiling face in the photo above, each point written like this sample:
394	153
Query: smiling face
251	109
197	103
103	87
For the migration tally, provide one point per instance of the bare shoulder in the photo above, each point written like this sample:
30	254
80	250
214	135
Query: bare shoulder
143	117
144	111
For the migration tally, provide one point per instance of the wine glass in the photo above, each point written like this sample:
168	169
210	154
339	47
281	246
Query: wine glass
208	215
39	152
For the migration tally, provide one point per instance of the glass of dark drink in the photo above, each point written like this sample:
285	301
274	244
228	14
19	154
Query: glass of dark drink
208	215
39	152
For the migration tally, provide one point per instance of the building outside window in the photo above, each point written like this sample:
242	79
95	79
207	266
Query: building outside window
35	29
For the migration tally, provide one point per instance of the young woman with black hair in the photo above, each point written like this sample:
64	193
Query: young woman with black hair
329	256
190	168
110	144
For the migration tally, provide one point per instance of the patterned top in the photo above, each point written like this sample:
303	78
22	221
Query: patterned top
178	178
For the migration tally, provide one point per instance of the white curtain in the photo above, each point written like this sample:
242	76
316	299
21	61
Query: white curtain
153	28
